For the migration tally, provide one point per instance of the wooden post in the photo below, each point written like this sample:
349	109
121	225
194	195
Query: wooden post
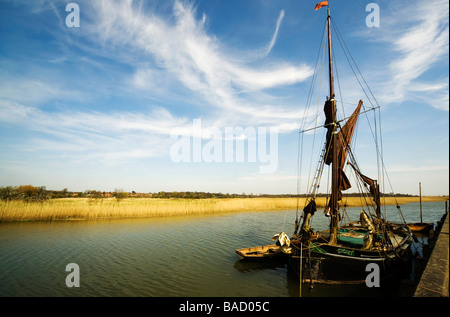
420	198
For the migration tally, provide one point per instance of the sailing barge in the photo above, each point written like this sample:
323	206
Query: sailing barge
342	253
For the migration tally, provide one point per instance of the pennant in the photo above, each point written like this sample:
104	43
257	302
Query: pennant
320	5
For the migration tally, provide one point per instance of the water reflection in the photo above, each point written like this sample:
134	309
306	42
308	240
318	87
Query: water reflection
255	266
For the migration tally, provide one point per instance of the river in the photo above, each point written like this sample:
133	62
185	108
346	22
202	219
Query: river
171	257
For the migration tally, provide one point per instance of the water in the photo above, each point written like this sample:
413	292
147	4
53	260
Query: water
177	256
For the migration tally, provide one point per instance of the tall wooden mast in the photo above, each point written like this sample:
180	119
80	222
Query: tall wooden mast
334	167
330	61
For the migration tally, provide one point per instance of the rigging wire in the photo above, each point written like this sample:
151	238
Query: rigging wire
337	78
315	125
300	140
299	168
311	89
317	111
305	116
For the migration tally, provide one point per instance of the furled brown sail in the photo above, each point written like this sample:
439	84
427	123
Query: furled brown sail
344	138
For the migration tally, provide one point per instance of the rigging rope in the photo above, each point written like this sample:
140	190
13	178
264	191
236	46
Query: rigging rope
305	116
317	113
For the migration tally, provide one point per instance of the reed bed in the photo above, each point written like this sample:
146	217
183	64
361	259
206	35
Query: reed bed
86	209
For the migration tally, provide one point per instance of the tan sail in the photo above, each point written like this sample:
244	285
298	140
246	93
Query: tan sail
344	138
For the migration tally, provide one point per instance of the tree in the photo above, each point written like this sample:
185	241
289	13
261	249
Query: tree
119	194
27	192
65	192
9	193
94	196
42	194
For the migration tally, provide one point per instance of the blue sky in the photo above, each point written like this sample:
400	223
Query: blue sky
94	106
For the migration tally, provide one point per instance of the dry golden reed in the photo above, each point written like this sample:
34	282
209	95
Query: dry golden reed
86	209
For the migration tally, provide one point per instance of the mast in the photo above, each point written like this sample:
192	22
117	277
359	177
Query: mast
334	165
330	60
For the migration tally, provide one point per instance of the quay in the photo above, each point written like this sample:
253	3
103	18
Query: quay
435	279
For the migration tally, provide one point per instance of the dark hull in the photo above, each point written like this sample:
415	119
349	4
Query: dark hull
343	265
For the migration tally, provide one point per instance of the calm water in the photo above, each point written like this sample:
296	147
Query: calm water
177	256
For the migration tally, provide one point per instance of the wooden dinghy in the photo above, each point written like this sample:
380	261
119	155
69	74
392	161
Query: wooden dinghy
420	227
259	253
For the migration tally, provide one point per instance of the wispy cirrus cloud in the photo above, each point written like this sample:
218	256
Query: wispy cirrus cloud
419	41
183	48
275	34
83	136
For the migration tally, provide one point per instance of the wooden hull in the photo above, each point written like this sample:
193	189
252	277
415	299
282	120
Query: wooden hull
420	227
345	265
260	252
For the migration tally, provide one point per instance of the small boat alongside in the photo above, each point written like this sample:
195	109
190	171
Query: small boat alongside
420	227
260	252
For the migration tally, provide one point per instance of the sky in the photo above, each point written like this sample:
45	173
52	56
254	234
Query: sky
152	96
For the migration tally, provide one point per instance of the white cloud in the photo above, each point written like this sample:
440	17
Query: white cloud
183	48
13	112
31	90
261	79
87	135
116	135
159	49
275	34
419	39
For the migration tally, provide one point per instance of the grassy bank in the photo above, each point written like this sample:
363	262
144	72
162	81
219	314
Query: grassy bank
85	209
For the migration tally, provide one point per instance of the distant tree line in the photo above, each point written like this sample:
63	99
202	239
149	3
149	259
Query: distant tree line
31	193
203	195
26	193
199	195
